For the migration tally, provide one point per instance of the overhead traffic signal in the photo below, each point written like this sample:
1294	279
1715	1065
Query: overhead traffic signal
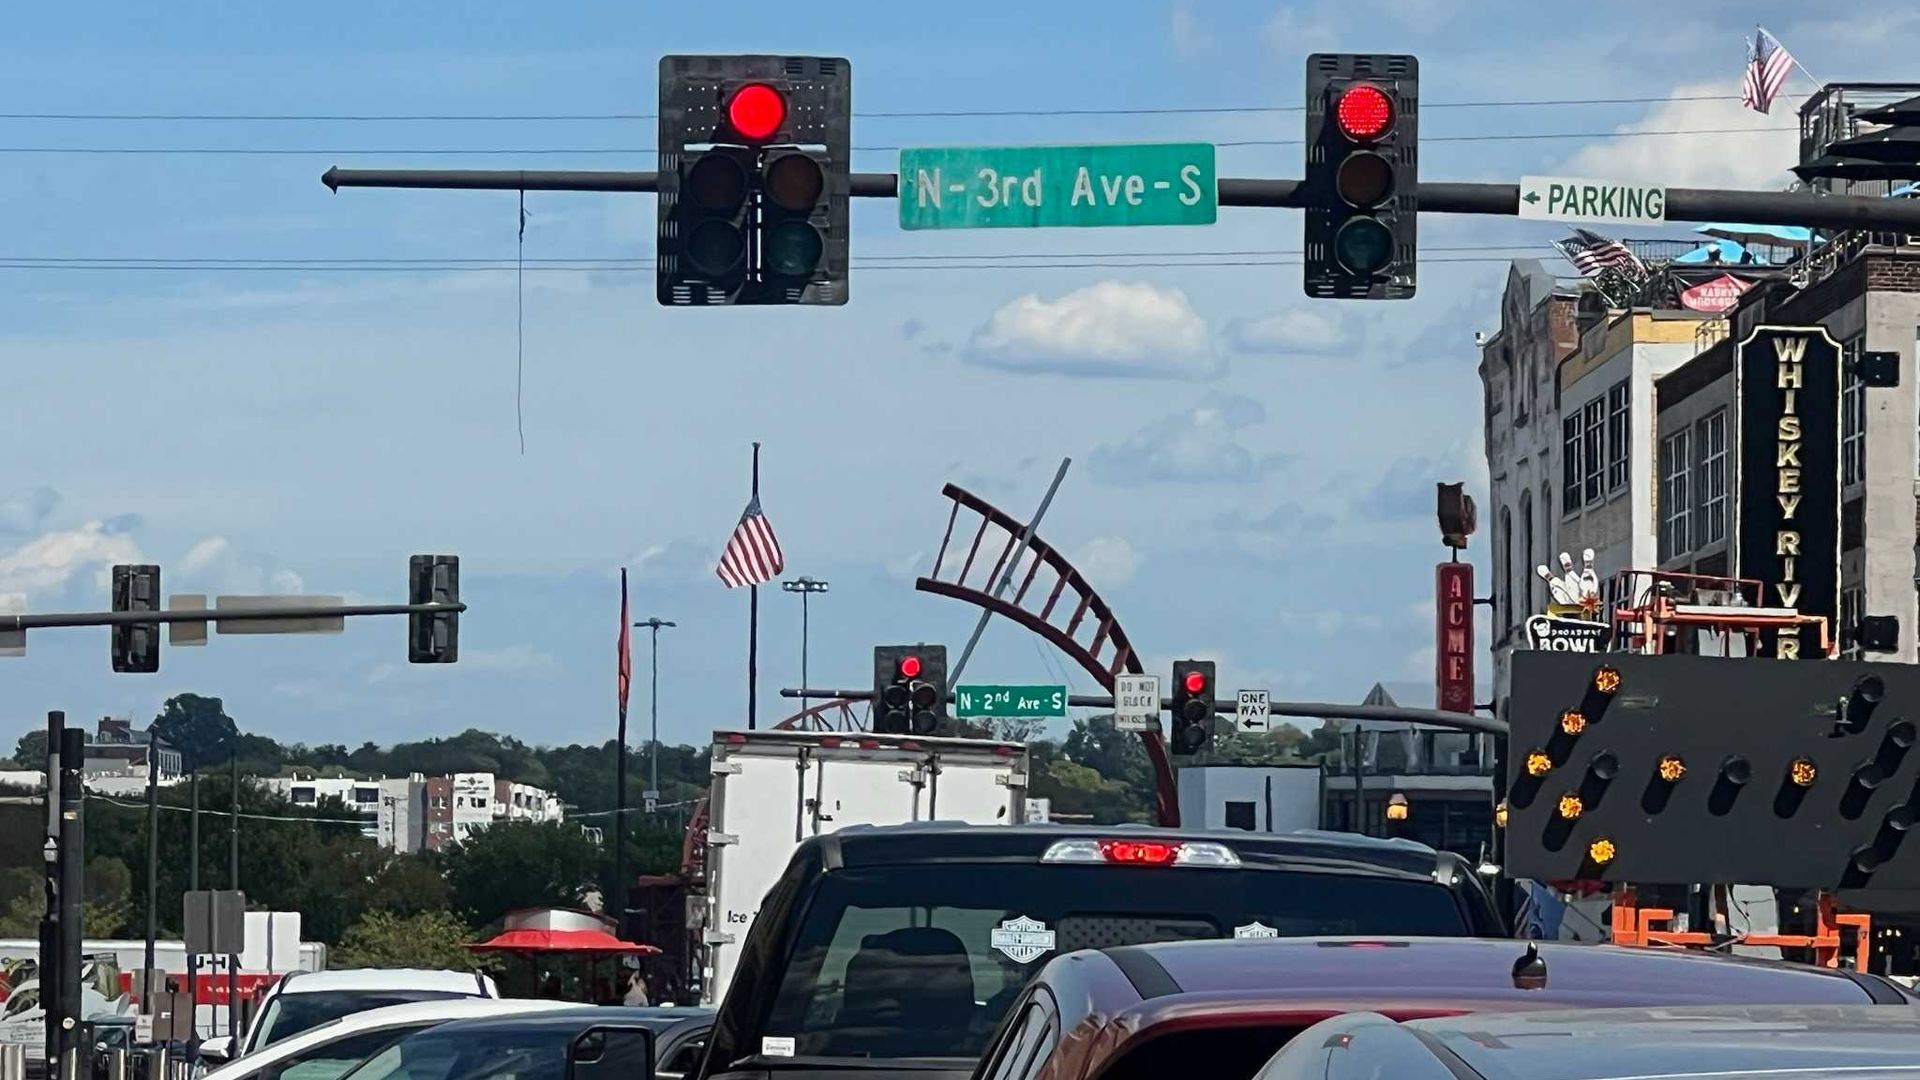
753	180
909	688
136	646
1362	176
1193	696
433	637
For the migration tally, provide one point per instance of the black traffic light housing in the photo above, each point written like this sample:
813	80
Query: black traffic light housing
433	637
1670	770
1193	697
754	174
1362	176
136	646
909	689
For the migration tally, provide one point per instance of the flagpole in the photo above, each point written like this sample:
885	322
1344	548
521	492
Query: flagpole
620	788
1790	56
753	618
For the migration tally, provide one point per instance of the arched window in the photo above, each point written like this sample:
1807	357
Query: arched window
1526	553
1505	600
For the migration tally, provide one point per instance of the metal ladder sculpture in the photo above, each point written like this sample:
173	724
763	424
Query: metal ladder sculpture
1062	593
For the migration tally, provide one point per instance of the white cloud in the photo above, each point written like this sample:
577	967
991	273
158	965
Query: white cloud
214	566
1107	561
1188	37
1194	445
1295	32
50	561
24	510
908	567
1111	328
1296	331
1718	152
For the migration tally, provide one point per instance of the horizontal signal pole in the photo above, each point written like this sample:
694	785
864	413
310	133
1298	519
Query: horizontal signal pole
1682	204
1457	721
15	623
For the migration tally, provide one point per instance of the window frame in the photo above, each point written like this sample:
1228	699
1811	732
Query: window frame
1712	470
1619	437
1676	462
1594	452
1853	415
1571	471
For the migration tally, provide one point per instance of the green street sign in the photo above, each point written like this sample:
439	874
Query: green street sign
1028	187
1010	702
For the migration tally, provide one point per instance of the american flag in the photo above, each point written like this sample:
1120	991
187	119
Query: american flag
1768	65
1590	253
753	555
626	644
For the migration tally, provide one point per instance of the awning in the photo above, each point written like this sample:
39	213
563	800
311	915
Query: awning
1794	235
570	941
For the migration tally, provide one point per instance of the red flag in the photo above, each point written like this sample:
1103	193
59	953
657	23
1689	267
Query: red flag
626	644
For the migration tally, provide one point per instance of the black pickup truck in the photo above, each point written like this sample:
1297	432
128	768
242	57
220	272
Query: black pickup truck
895	950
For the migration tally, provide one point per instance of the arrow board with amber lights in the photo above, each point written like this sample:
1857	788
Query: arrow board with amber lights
1664	770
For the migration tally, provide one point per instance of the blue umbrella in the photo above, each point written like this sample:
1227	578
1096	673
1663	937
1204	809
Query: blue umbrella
1729	252
1759	234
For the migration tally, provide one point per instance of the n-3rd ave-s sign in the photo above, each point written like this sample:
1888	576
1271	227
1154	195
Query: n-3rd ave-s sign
1571	198
979	187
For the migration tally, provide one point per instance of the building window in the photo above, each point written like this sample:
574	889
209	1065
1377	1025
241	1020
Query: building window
1853	416
1675	459
1505	599
1240	815
1711	483
1593	448
1618	441
1853	603
1526	552
1570	471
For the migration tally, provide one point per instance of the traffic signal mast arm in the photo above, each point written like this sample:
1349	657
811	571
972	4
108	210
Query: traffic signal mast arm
1683	204
15	623
1327	711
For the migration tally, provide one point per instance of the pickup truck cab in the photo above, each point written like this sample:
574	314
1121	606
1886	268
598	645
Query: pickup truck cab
898	949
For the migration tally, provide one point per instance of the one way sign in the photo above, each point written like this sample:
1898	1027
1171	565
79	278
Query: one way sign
1253	711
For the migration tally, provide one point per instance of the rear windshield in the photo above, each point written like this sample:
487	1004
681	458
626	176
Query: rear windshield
288	1015
922	961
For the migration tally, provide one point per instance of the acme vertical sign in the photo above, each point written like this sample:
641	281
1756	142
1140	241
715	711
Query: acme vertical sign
1787	527
1453	648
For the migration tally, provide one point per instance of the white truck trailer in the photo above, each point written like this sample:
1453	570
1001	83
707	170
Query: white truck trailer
773	789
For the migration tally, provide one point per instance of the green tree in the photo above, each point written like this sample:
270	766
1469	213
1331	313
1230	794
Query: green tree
520	864
105	908
198	727
31	751
425	939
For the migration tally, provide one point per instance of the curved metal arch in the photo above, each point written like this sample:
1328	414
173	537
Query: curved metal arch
1107	631
813	719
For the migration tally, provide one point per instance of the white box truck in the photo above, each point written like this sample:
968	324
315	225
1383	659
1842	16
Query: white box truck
773	789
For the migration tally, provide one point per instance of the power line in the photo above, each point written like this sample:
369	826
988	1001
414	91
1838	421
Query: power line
131	805
903	114
603	151
509	267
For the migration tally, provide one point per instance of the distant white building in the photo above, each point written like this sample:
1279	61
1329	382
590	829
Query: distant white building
414	813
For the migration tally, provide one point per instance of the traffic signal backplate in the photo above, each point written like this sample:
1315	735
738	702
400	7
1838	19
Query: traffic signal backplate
1663	770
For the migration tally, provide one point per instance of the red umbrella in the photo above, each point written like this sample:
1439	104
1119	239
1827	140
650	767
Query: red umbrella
561	941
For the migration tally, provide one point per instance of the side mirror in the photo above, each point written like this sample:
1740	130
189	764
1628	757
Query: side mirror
611	1052
217	1050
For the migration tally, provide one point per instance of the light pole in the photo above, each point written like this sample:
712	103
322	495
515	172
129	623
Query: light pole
806	587
652	794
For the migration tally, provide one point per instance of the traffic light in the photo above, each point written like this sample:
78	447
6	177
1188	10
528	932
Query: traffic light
753	180
1192	705
136	646
1362	176
909	688
433	637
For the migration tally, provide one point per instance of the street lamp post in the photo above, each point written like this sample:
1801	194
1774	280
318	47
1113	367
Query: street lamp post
652	794
806	587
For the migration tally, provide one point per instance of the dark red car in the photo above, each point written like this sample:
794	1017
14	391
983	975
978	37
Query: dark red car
1222	1008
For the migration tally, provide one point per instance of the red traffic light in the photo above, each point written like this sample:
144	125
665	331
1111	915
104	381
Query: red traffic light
1364	113
756	111
910	667
1196	682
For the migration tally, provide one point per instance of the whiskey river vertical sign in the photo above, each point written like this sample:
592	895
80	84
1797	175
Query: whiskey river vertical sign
1787	513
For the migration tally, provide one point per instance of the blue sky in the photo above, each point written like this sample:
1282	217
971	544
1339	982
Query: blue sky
1252	473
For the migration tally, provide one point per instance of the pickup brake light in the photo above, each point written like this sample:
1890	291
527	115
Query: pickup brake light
1132	851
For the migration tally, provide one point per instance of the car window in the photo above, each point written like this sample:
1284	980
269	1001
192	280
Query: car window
23	1001
685	1059
924	961
1022	1045
331	1059
290	1014
474	1053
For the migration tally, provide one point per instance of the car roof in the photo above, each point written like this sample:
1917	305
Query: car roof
1679	1042
1477	969
945	841
390	1016
459	982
